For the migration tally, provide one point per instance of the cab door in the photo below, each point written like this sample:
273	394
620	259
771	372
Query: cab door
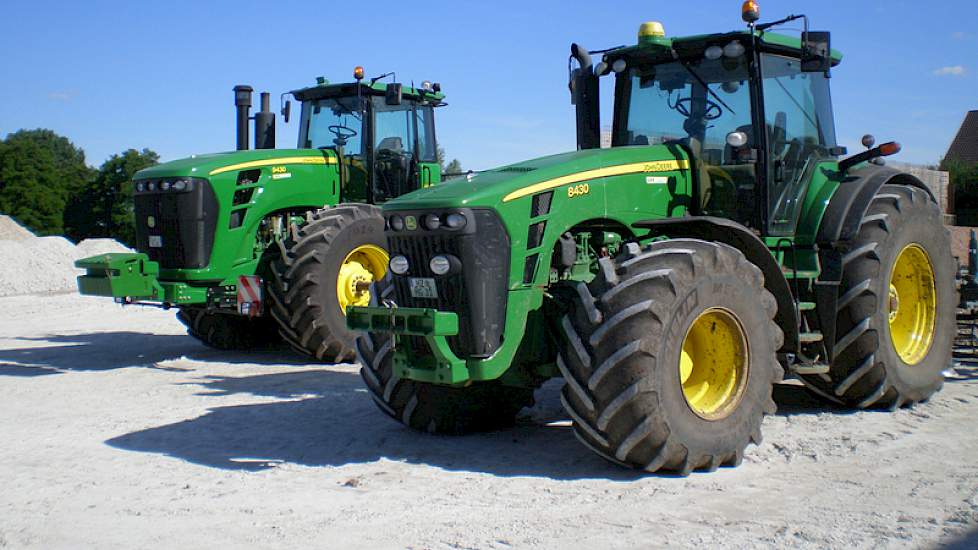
429	169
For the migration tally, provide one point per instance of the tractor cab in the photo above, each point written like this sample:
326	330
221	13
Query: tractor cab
751	109
383	135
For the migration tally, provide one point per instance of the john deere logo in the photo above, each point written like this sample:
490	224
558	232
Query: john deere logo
411	223
150	222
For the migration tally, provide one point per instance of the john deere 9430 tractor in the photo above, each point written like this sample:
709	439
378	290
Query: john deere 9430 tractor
253	244
723	241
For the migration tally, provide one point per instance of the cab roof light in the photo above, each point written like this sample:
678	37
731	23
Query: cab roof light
750	12
651	32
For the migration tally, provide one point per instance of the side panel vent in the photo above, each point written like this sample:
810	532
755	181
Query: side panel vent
530	268
243	196
248	177
541	204
237	218
535	235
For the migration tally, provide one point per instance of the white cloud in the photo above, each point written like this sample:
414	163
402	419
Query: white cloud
959	35
60	96
953	70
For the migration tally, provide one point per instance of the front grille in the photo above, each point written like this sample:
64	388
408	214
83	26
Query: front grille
451	288
477	294
176	228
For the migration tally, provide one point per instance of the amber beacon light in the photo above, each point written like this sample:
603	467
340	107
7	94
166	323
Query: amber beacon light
750	11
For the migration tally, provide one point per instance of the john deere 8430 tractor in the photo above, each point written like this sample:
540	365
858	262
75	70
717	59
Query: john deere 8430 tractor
723	241
250	244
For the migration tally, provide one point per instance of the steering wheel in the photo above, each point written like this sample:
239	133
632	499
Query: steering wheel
341	132
712	112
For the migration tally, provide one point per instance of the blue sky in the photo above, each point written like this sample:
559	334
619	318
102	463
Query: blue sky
111	76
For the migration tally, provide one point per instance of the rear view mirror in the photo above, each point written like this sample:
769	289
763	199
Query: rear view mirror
393	94
286	110
816	52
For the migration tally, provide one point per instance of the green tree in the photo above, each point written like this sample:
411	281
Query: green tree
964	183
104	208
454	167
39	170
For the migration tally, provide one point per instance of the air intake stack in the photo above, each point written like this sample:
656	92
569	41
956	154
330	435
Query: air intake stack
265	125
242	102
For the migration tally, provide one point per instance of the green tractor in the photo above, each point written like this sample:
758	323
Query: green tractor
253	245
723	241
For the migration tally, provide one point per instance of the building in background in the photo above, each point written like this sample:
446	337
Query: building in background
964	148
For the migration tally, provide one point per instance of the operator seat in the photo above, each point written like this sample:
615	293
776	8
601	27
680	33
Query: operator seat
391	143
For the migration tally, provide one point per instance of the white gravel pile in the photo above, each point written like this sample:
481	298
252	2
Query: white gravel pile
38	265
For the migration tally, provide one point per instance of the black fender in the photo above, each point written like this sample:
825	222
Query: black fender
840	224
729	232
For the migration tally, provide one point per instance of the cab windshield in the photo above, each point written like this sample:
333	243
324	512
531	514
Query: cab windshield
327	121
697	103
702	101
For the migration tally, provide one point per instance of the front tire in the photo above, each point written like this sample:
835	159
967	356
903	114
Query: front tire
669	356
900	263
432	408
225	331
322	267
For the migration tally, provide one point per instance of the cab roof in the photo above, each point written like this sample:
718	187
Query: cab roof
662	49
347	89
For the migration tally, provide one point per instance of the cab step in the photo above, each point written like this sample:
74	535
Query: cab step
811	368
810	337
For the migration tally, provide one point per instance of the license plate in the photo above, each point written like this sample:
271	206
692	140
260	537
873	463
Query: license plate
156	241
422	287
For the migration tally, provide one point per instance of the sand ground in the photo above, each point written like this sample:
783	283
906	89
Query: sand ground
119	431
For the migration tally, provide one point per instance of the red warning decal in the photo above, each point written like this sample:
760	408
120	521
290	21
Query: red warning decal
249	295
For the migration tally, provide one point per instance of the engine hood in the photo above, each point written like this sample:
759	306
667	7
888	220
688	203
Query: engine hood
205	166
490	188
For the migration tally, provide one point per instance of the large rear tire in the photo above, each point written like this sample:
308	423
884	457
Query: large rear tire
669	356
480	407
326	264
225	331
899	264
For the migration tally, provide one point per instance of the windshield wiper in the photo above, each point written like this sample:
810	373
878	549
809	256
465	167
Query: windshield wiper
702	83
795	101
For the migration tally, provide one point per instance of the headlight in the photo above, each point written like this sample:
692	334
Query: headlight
151	186
179	185
733	49
431	222
455	221
440	265
165	185
396	223
141	186
399	265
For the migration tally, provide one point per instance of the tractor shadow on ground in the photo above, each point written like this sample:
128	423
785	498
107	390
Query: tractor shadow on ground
337	424
793	399
965	368
332	421
100	351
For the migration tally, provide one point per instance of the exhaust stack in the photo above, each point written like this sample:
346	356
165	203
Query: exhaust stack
265	124
242	102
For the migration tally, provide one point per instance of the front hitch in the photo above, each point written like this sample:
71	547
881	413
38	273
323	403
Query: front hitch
120	275
441	367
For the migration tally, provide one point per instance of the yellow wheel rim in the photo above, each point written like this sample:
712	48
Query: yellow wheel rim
362	266
713	364
912	304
